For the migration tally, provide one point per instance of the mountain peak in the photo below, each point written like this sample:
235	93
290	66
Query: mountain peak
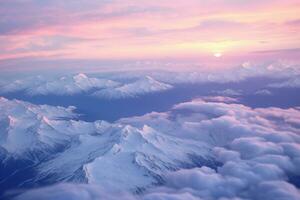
80	76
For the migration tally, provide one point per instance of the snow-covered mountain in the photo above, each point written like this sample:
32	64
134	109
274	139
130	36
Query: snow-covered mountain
65	85
71	85
81	83
142	86
202	149
26	129
63	149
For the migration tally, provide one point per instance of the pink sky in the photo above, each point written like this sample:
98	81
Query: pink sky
142	29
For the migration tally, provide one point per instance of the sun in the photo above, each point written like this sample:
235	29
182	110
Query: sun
217	55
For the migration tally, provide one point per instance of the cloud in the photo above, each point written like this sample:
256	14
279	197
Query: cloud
75	192
253	145
263	92
233	181
220	99
276	190
290	83
156	29
229	92
243	71
220	25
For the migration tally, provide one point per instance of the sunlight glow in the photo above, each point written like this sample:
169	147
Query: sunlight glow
217	55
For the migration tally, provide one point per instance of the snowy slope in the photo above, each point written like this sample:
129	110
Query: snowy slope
142	86
141	157
71	85
28	129
63	149
65	85
81	83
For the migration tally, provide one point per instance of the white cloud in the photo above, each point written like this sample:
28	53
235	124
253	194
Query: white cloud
257	148
220	99
246	70
276	190
290	83
20	84
263	92
229	92
74	192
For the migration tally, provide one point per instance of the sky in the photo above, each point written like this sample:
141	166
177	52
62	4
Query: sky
97	122
195	30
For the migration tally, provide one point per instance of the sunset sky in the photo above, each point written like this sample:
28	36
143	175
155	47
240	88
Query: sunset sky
201	30
149	99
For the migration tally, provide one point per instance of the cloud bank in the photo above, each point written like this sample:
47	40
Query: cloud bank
138	30
290	83
258	149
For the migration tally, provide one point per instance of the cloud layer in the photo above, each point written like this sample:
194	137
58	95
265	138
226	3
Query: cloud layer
290	83
258	149
140	30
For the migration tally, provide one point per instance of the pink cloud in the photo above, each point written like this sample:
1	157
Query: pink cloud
125	29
